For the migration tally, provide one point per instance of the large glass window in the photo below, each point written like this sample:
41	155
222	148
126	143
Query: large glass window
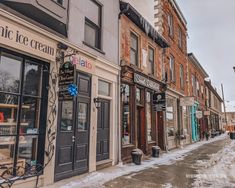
93	24
126	114
149	117
134	49
22	105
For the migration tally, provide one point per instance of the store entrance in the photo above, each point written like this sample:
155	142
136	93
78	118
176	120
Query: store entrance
103	131
140	128
72	152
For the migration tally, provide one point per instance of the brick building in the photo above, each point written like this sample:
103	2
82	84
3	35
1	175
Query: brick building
170	22
214	106
141	75
196	76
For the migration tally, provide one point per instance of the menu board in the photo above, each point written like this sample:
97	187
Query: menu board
66	77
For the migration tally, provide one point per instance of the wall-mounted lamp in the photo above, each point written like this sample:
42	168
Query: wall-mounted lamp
234	69
97	102
62	46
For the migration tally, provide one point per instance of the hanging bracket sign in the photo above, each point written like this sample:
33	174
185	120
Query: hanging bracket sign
159	102
66	78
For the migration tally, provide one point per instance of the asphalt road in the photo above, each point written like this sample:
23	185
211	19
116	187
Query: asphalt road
177	175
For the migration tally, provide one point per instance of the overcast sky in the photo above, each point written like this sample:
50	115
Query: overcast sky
211	30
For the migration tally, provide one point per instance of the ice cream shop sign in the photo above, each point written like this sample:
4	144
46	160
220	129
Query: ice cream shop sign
26	39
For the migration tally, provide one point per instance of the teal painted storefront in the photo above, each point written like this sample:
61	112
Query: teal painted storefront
194	123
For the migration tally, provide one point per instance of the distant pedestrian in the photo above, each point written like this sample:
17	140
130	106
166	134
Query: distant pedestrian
207	134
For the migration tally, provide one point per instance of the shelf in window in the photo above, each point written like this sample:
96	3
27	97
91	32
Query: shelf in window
2	105
11	142
12	124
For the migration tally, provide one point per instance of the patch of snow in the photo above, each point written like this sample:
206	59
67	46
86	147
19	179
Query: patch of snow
99	178
219	170
167	185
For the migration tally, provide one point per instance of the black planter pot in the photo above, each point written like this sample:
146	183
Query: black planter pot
136	157
155	151
232	135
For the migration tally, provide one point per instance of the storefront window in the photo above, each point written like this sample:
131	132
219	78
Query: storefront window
22	114
170	117
149	117
10	73
126	124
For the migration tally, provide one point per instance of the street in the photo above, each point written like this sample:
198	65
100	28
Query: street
202	164
180	174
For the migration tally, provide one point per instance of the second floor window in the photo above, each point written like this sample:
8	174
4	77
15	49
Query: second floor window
134	49
194	85
172	69
180	42
170	25
151	61
181	76
93	24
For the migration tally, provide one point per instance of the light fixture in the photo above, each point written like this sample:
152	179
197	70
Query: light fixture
62	46
97	102
234	69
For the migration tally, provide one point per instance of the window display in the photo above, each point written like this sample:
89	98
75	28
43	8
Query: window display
126	125
170	121
22	103
149	117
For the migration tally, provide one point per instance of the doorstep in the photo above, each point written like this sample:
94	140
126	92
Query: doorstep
104	164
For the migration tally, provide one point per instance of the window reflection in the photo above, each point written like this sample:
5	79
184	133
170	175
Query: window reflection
82	116
32	78
10	67
126	125
149	116
66	116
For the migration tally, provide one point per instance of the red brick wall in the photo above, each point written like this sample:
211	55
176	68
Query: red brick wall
180	55
143	41
193	70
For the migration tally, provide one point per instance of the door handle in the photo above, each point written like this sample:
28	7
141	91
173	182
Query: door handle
73	138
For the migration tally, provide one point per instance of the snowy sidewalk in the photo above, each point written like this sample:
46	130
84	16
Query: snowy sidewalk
98	178
219	171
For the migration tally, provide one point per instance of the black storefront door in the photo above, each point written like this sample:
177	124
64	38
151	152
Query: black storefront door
103	131
72	151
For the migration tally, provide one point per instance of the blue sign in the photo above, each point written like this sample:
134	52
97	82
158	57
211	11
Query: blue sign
73	90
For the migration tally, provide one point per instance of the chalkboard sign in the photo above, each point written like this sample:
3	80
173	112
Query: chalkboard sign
66	77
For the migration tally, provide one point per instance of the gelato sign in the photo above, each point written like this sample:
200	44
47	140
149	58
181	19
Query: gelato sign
24	39
82	63
146	82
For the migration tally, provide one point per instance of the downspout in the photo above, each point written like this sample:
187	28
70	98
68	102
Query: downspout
68	11
119	160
